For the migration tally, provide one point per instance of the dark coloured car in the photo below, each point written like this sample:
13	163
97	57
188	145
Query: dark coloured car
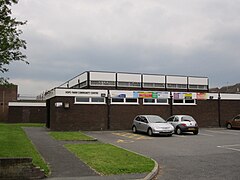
234	122
183	123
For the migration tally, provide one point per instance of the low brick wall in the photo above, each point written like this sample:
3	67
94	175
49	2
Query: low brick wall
19	168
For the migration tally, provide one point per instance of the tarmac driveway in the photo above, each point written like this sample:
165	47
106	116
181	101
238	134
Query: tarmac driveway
212	154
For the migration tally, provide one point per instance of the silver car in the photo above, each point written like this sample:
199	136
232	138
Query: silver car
152	124
183	123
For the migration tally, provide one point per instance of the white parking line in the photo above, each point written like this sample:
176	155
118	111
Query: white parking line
221	132
231	147
181	136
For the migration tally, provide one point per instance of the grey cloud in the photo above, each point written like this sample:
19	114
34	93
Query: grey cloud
66	38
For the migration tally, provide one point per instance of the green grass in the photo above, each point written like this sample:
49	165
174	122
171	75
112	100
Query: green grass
70	136
15	143
28	124
108	159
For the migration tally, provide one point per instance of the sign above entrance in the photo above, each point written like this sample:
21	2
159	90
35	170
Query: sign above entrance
77	92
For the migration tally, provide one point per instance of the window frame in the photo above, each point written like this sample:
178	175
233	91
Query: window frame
155	101
102	83
128	84
176	86
198	87
153	85
184	102
90	100
125	102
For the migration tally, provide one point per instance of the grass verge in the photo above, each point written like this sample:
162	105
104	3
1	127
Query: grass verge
108	159
15	143
70	136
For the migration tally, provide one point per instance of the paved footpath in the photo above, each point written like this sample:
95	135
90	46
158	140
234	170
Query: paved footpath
61	161
63	164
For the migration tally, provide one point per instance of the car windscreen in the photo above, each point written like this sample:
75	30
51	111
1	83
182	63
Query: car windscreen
187	118
155	119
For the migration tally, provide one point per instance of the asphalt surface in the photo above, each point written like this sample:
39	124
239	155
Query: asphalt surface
212	154
63	164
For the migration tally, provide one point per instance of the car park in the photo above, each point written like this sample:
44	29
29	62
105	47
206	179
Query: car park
233	123
152	124
183	123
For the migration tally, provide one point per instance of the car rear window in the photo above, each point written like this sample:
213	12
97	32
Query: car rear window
187	118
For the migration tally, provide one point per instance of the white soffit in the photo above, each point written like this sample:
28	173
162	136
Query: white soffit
29	104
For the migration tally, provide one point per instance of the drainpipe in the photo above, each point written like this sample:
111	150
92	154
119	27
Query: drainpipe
171	104
108	110
3	93
219	109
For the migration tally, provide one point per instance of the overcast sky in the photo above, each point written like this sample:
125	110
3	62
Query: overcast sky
187	37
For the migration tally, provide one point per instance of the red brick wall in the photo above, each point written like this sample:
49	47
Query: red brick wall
95	117
26	114
77	117
7	94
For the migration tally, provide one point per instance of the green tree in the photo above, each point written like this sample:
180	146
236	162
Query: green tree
10	42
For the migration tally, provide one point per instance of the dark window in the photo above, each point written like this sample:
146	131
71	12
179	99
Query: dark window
131	100
191	101
178	101
143	119
138	118
98	99
82	99
162	101
149	100
117	100
237	118
170	119
176	119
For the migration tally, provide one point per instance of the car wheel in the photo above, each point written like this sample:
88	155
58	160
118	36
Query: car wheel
195	132
150	133
178	131
134	129
229	126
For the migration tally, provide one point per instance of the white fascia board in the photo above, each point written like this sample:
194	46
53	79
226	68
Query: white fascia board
81	93
176	80
230	96
125	77
153	78
49	94
212	95
197	81
102	76
28	104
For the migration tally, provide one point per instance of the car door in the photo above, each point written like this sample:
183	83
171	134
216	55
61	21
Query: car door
144	124
138	123
236	122
141	123
175	121
170	120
